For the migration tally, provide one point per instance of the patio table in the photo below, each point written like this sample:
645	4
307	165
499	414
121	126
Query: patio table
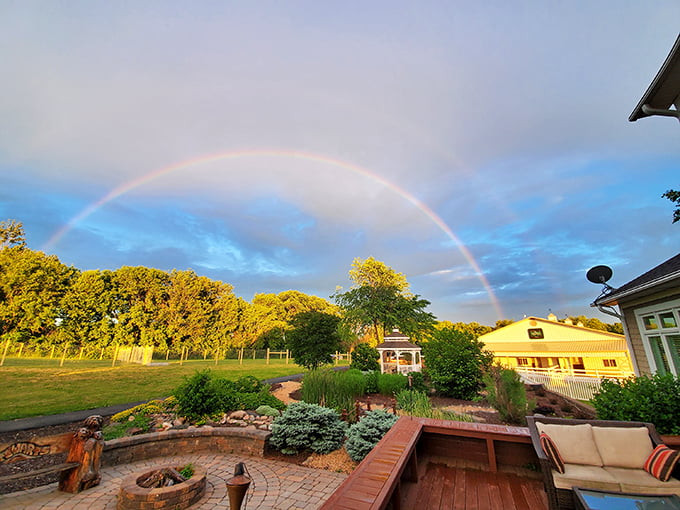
587	499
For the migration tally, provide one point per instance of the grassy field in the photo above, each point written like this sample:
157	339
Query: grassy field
35	387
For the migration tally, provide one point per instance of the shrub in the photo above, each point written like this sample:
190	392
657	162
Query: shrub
254	400
390	384
306	426
417	403
196	396
267	411
648	399
365	434
418	381
455	362
371	381
248	384
365	357
336	390
506	393
119	429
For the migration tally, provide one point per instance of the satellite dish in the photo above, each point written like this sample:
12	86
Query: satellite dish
599	274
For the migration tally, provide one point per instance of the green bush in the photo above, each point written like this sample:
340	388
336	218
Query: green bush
267	411
456	362
506	393
366	433
371	381
248	384
306	426
365	357
417	403
254	400
196	396
120	429
391	384
335	390
418	381
648	399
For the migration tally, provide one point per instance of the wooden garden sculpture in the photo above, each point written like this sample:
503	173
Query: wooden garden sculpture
86	448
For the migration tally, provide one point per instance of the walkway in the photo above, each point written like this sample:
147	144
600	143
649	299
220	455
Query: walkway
276	485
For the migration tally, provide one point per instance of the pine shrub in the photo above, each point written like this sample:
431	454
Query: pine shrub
506	393
305	426
365	434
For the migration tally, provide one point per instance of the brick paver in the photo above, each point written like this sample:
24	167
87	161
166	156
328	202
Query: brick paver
275	485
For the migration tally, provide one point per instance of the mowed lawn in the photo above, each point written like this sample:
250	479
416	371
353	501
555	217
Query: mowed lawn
35	387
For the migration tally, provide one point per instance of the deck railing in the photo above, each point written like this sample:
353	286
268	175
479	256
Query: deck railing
574	383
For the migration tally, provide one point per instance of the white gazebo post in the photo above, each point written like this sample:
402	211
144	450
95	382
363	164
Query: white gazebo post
398	355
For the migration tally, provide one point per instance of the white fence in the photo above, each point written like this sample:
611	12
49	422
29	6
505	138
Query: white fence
568	382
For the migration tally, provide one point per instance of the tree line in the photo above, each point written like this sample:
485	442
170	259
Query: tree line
45	303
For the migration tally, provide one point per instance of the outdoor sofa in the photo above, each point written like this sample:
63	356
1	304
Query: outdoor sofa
612	456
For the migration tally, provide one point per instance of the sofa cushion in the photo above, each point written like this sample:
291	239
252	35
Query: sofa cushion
638	481
574	442
627	447
661	462
588	477
552	452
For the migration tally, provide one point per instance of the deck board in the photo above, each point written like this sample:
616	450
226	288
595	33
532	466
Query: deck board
453	488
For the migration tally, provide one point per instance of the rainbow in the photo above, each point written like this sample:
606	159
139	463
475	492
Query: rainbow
306	156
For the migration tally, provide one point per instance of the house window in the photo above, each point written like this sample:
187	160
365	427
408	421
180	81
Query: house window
660	330
609	362
523	362
535	333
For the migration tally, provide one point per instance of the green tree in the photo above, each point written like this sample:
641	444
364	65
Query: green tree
313	338
373	273
474	328
674	196
456	362
378	309
88	310
12	234
142	292
365	357
32	286
501	323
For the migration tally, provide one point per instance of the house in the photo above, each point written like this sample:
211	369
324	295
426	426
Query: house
546	344
650	310
664	91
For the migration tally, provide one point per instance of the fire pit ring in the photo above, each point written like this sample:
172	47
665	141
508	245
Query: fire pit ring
179	496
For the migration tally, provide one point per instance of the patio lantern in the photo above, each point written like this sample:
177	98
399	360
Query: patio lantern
398	355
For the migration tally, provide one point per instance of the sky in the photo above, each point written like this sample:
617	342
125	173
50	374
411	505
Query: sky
482	149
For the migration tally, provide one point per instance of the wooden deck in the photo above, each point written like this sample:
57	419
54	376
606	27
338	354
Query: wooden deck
434	464
445	487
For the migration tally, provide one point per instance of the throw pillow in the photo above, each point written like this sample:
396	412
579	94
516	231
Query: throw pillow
661	462
552	453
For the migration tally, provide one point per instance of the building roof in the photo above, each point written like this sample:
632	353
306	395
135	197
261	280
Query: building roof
560	348
554	332
666	274
397	340
665	87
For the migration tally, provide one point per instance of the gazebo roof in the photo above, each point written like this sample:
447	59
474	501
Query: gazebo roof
397	340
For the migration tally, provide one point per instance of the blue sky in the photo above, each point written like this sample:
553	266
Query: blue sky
480	148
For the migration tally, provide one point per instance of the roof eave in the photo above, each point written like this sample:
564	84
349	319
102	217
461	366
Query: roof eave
613	298
664	91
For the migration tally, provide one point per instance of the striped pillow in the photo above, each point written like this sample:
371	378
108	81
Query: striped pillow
661	462
552	453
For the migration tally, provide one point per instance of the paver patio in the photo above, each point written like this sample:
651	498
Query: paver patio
276	485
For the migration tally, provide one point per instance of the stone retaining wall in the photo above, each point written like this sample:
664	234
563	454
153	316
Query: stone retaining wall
180	441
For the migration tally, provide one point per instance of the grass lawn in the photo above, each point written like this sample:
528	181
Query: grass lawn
35	387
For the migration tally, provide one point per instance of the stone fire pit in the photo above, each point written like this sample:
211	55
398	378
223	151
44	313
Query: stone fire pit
179	496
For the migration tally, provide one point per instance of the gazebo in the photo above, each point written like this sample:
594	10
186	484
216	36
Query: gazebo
398	355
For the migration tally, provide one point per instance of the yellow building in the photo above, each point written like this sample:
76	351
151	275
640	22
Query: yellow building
548	345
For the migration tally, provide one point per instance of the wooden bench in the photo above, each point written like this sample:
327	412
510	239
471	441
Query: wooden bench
79	470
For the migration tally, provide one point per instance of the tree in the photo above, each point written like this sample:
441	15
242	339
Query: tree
474	328
456	362
501	323
674	196
382	308
12	234
32	286
313	339
373	273
365	357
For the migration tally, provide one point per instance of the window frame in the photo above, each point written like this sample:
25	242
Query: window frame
648	336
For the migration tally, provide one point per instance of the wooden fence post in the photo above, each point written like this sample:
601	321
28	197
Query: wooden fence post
115	355
52	352
63	356
4	354
21	348
267	355
287	355
254	352
80	356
